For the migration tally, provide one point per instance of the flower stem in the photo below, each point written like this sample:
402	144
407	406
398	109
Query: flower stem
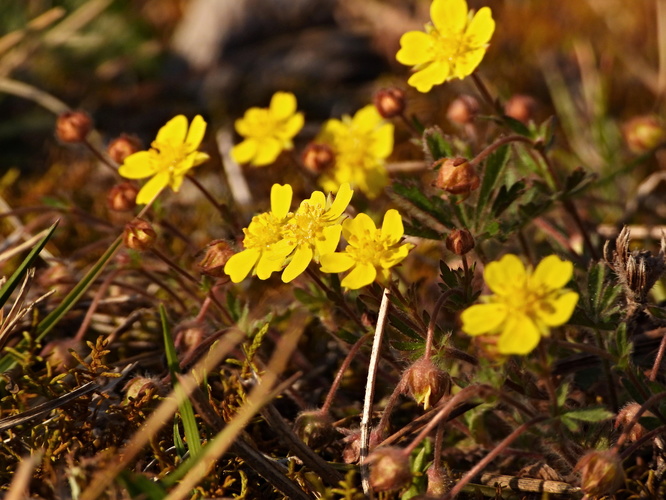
433	320
335	297
221	207
483	90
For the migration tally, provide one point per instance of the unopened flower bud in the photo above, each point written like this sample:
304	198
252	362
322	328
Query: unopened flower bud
601	473
390	102
625	416
521	107
73	126
456	176
643	133
439	482
460	241
123	146
215	256
463	110
318	157
122	197
389	469
139	235
315	428
352	451
426	382
139	387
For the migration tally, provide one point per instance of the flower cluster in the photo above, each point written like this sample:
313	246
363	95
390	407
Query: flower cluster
171	155
525	304
268	131
451	47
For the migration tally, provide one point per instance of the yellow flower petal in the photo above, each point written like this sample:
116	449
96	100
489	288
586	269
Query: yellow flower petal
416	48
393	258
449	16
138	166
483	318
240	264
175	182
382	145
282	106
481	28
374	181
337	262
196	133
299	263
552	273
174	132
199	158
503	276
366	119
467	63
556	312
433	74
330	241
267	152
520	336
392	228
362	223
245	151
361	275
281	200
341	201
269	263
291	127
152	188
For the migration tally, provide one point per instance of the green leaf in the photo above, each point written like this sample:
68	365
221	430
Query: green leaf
517	126
591	415
139	486
491	173
576	182
437	146
505	197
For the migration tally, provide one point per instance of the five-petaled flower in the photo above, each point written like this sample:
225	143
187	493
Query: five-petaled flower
361	145
263	232
370	252
268	131
525	304
452	46
171	155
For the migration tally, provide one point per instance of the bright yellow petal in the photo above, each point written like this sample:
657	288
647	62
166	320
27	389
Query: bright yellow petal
360	225
174	132
395	256
317	198
392	228
269	263
267	152
367	118
505	275
467	63
481	319
240	264
299	263
199	158
330	242
283	105
552	273
196	133
281	200
337	262
243	126
361	275
245	151
481	28
152	188
449	16
341	201
176	181
382	141
433	74
291	127
520	336
138	165
374	180
557	311
416	48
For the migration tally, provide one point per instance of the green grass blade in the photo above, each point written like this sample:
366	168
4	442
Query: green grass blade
16	278
185	409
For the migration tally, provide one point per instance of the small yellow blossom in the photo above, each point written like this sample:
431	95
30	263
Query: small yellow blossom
361	145
370	252
313	231
525	304
171	155
264	231
452	46
268	131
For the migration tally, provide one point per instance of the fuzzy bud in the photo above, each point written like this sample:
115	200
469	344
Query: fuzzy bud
426	382
460	241
315	428
521	107
318	157
122	197
73	126
139	235
123	146
352	451
601	473
439	482
139	388
463	110
389	469
625	416
390	102
215	256
643	133
456	176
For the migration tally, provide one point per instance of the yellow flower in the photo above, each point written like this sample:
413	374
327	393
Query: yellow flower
370	252
267	131
452	46
171	155
313	231
264	231
361	145
524	305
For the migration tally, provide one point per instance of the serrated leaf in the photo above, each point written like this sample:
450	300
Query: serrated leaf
491	173
437	145
505	197
517	126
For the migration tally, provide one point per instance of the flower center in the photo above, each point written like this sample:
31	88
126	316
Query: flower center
264	230
354	147
449	47
367	248
306	224
263	125
529	299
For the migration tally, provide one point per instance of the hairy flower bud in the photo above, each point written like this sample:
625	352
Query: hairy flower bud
122	197
625	416
318	157
390	102
456	176
314	427
601	473
643	133
139	388
521	107
389	469
426	382
463	110
215	256
139	235
460	241
123	146
439	481
73	126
